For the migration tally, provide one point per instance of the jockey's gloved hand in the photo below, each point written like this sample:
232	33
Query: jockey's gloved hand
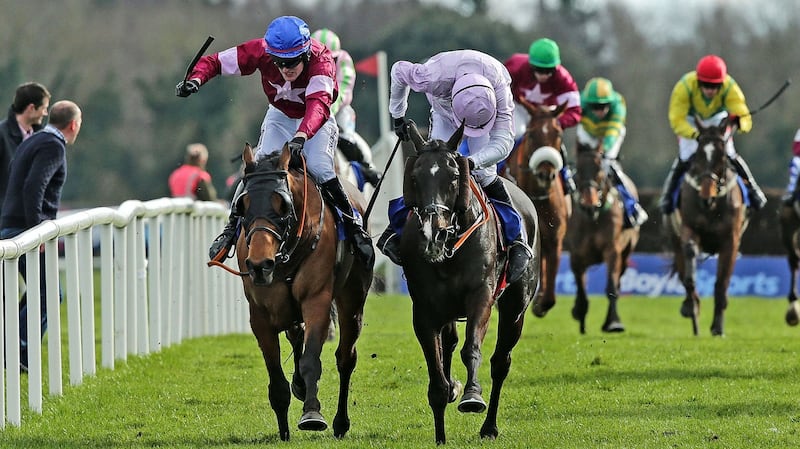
296	146
296	150
401	129
733	120
186	88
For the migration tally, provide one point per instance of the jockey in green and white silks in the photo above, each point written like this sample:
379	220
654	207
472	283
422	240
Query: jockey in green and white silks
603	123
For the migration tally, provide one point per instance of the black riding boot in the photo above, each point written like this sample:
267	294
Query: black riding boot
757	198
677	170
389	244
221	246
362	242
566	173
519	253
355	154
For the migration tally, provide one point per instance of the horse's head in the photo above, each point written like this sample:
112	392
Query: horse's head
542	135
436	187
591	179
709	170
268	212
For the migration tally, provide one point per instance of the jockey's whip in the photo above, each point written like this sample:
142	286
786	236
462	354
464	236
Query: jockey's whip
773	98
380	181
197	57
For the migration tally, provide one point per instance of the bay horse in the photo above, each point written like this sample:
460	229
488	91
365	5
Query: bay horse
454	267
597	233
790	236
711	217
534	165
294	268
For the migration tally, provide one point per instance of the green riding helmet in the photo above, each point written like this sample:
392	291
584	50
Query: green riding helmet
598	91
544	53
330	39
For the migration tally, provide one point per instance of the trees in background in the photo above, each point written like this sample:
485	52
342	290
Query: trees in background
120	60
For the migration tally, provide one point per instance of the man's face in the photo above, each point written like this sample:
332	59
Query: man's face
709	89
290	68
33	115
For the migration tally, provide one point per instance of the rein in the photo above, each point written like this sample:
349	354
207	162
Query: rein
478	223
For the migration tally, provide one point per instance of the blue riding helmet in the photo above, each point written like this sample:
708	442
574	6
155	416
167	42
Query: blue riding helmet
287	37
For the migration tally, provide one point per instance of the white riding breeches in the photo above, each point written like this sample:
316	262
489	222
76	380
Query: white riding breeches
278	128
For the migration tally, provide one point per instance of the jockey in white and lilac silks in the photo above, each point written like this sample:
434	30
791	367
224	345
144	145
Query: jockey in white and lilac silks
298	77
474	88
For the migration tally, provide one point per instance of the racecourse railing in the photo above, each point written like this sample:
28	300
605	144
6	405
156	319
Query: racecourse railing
154	291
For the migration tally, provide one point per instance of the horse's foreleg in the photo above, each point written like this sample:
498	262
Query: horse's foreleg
725	264
581	306
690	308
316	313
613	269
430	340
509	328
546	298
278	390
295	335
471	400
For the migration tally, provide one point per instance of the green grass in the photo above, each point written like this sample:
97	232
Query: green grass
654	386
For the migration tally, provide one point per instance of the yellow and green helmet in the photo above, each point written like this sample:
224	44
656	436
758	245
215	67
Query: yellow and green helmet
598	91
544	53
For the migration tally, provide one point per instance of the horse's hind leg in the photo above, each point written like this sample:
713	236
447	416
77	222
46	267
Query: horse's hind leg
295	335
350	323
508	334
279	396
449	344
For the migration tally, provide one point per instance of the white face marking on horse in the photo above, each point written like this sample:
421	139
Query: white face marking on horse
434	168
709	150
427	229
545	130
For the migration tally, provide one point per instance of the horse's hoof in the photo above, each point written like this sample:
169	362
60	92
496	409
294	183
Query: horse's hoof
539	310
471	403
489	432
793	314
284	435
615	326
298	388
456	387
687	310
312	421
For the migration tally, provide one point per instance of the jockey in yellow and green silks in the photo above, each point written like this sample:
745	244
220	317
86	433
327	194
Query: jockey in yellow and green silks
710	94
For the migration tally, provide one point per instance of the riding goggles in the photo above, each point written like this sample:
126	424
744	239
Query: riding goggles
287	63
544	70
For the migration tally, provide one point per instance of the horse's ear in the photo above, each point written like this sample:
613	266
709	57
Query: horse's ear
248	157
699	123
408	183
416	137
462	200
286	156
455	139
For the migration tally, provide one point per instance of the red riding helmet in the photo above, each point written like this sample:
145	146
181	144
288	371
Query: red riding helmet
711	69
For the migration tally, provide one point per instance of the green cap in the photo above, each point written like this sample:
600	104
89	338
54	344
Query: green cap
598	91
544	53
